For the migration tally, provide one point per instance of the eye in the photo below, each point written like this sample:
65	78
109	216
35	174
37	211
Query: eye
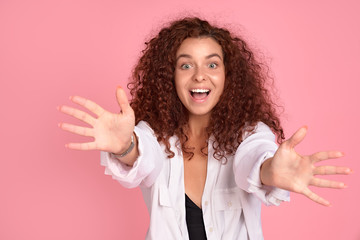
185	66
212	65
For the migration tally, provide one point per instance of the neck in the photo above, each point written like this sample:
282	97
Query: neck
197	126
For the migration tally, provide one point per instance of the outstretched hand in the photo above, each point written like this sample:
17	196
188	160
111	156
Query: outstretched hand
293	172
111	131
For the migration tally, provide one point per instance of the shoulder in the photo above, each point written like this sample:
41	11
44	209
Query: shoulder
258	130
145	127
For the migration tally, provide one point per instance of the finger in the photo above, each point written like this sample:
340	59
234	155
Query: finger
82	146
123	100
321	156
324	183
316	198
90	105
297	137
83	131
331	170
83	116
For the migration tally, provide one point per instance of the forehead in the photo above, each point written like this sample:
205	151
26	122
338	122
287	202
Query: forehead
202	46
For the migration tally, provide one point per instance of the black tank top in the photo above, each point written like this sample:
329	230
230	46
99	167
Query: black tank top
194	220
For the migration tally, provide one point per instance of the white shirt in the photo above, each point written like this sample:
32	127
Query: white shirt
231	201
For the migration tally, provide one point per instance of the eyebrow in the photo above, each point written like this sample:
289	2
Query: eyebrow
207	57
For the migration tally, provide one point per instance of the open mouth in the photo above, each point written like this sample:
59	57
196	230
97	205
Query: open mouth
199	93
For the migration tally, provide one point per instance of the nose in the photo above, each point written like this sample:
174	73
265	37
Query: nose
199	75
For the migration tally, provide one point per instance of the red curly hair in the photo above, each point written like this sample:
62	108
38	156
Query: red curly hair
246	102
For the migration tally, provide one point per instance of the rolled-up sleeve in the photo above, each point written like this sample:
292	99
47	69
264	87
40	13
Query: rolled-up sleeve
252	152
147	166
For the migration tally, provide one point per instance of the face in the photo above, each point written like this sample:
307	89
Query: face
199	75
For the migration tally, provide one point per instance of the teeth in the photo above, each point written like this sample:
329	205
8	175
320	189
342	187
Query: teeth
200	90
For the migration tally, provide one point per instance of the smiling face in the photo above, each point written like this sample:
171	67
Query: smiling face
199	75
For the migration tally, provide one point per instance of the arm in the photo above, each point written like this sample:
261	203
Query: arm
112	134
291	171
147	165
256	147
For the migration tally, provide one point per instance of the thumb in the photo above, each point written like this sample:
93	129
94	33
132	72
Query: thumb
122	100
297	137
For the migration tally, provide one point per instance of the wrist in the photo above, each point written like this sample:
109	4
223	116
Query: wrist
126	151
265	172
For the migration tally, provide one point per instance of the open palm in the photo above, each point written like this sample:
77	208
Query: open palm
293	172
111	131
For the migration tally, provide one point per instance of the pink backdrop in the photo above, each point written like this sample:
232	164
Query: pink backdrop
50	50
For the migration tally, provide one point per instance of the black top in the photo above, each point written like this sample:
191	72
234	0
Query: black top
194	220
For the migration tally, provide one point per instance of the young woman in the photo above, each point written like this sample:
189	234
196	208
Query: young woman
198	137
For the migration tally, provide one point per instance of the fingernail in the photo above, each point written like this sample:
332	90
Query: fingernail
340	154
58	108
119	86
59	124
342	185
70	97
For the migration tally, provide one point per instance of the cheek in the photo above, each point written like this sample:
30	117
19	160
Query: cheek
179	88
219	80
180	82
221	85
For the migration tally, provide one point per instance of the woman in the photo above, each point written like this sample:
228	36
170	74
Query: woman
198	137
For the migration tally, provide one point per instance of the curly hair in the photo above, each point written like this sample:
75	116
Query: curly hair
246	102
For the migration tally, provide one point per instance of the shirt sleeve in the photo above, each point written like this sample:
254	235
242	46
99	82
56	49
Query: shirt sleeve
147	166
252	152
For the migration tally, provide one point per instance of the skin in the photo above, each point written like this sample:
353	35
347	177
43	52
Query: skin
112	132
199	66
294	172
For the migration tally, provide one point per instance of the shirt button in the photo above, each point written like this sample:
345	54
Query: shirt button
229	204
211	229
206	203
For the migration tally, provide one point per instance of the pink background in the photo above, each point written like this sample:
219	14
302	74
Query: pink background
50	50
